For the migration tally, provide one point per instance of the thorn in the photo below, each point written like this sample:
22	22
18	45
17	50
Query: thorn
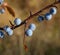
54	2
11	23
30	13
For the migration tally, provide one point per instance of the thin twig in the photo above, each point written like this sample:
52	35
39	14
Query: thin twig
11	23
24	33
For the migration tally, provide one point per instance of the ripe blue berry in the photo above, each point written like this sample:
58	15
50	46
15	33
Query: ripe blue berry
53	10
32	27
2	11
1	34
29	32
10	32
1	2
17	21
48	16
7	28
40	18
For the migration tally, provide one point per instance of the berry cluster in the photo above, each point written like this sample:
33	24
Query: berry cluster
48	16
18	22
8	29
30	29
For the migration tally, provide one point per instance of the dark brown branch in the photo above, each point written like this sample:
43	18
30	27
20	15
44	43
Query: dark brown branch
30	13
11	23
1	28
36	14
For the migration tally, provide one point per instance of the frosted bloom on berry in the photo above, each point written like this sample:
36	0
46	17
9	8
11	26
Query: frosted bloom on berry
17	21
2	11
32	27
1	2
53	10
40	18
29	32
7	28
1	34
10	32
48	16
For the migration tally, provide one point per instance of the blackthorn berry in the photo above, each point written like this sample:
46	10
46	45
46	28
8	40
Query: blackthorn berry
2	11
29	32
53	10
48	16
1	34
40	18
7	28
32	27
17	21
10	32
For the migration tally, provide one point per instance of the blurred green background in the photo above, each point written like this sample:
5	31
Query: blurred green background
46	37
